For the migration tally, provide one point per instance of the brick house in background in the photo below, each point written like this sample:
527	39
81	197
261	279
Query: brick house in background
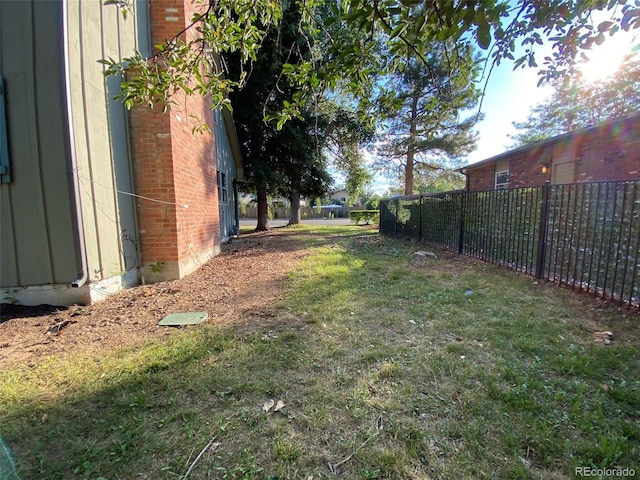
93	197
608	151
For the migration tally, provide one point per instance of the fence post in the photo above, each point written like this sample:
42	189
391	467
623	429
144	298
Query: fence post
396	223
420	219
461	225
542	232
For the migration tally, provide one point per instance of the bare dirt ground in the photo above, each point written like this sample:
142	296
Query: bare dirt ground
242	284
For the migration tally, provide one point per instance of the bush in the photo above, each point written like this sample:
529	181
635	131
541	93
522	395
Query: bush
367	216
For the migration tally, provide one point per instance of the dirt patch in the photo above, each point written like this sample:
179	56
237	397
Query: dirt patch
237	286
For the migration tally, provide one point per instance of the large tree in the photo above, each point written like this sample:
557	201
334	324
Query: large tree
280	159
576	104
300	163
425	131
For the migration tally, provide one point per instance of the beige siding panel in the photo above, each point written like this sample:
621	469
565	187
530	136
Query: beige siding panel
78	116
563	173
96	31
37	207
563	163
94	195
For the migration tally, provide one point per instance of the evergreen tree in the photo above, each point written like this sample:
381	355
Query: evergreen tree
424	131
279	159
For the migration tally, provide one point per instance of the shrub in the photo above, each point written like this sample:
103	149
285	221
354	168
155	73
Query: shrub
367	216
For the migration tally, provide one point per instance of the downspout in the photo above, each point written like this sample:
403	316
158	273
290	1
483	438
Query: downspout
466	179
72	152
236	222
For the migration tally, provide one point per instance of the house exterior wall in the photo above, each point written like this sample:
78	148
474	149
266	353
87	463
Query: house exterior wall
175	169
608	152
64	223
340	196
481	178
84	170
96	31
38	232
225	164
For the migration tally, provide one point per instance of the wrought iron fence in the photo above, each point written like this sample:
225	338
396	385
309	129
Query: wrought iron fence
585	235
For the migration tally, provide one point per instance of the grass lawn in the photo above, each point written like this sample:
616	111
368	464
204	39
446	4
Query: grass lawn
444	369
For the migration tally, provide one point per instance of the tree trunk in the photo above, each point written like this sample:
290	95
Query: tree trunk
294	215
408	172
411	149
263	211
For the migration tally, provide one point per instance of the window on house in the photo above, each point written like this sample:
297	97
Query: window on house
223	193
5	175
502	179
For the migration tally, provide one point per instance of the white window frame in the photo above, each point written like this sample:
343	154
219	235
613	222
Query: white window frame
503	184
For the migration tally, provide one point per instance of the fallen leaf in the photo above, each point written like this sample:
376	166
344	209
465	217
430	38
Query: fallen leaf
603	337
268	405
279	406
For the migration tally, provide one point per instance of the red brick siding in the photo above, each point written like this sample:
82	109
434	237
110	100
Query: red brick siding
608	153
153	171
194	177
171	164
482	178
525	169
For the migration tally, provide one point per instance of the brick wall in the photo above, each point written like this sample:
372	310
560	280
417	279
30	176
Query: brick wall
176	168
525	169
609	152
482	178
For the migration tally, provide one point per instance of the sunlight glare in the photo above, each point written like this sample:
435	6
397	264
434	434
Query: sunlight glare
604	60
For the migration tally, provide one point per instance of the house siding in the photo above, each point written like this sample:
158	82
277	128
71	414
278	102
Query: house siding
225	163
96	31
608	152
63	219
482	178
38	230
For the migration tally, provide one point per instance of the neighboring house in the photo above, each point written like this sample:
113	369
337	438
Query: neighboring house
94	197
609	151
339	196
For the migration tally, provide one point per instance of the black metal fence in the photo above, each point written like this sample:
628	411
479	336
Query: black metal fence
585	236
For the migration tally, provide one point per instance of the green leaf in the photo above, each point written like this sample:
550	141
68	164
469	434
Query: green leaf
330	21
397	31
484	35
